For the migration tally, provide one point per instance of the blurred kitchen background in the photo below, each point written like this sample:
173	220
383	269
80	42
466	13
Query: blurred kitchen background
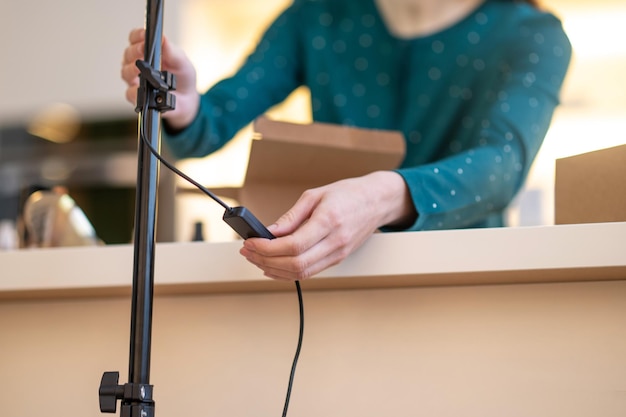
64	120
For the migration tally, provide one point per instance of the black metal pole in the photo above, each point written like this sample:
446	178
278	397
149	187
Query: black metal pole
145	219
136	396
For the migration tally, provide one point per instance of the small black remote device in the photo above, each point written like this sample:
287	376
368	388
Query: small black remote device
242	221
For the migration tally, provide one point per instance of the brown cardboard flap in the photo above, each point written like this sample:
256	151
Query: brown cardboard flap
591	187
319	153
331	135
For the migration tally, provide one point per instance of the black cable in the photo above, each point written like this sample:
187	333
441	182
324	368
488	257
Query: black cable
180	173
297	355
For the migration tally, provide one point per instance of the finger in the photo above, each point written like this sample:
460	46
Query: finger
137	35
279	278
130	74
301	267
246	254
131	95
294	253
173	56
306	224
290	245
297	214
133	52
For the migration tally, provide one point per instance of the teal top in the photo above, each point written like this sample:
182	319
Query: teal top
474	101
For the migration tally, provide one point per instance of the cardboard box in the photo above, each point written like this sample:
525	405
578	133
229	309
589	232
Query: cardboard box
591	187
288	158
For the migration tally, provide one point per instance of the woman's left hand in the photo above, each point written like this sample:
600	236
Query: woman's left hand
329	223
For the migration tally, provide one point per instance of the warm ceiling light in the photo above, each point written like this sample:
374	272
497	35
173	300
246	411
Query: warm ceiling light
59	123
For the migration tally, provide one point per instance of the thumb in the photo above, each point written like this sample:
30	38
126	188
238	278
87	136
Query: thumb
283	226
175	60
173	56
296	216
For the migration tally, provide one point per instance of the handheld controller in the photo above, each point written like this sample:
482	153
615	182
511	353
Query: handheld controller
242	221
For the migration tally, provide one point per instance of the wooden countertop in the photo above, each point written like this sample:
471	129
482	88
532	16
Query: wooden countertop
583	252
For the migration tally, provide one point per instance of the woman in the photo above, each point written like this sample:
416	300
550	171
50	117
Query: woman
472	84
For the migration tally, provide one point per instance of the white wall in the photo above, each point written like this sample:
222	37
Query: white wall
67	51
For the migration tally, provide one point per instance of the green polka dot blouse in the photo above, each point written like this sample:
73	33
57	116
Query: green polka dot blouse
474	101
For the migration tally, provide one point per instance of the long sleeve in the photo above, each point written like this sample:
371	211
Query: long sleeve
269	74
463	189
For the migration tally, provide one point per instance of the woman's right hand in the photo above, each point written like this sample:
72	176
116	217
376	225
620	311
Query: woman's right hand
173	60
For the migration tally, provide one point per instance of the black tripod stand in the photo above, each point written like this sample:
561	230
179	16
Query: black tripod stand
153	98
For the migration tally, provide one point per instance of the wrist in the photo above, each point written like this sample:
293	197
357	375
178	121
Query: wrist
394	199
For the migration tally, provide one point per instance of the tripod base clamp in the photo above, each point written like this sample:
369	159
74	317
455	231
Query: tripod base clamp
136	398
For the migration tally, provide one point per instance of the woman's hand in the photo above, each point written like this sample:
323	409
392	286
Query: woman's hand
329	223
175	61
